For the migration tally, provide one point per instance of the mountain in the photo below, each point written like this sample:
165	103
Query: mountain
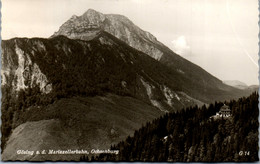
49	86
236	84
61	66
91	22
241	85
205	86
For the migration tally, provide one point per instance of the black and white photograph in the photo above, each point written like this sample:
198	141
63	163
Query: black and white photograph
129	80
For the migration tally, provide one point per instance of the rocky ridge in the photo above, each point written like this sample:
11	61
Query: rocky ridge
91	22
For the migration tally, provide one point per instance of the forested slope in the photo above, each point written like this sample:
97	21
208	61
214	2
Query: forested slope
192	135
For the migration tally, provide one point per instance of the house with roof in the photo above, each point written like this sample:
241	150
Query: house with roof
224	111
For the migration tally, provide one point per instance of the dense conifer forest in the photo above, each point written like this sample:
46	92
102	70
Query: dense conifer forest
193	135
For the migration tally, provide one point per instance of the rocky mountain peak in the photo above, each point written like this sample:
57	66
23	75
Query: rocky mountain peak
93	16
83	27
92	12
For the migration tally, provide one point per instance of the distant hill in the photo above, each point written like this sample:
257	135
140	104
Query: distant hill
241	85
236	83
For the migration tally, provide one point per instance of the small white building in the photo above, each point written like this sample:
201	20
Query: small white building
224	111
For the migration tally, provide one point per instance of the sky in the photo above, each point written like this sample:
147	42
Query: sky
221	36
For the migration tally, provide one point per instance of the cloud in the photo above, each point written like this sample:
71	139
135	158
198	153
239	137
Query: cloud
180	46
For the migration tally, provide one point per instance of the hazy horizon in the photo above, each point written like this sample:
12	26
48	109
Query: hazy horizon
221	36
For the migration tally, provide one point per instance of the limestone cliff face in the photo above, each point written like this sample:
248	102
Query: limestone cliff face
90	23
19	71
